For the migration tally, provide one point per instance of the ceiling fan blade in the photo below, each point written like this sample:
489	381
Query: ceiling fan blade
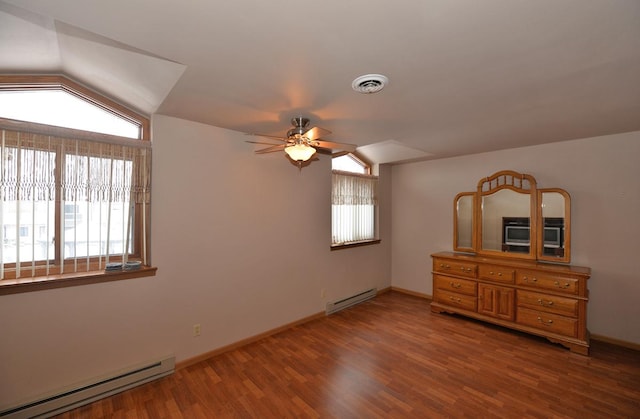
336	146
271	149
324	151
259	142
315	133
275	137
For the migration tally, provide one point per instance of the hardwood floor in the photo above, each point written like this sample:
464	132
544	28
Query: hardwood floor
390	357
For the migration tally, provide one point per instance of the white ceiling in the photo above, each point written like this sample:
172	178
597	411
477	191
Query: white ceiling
466	76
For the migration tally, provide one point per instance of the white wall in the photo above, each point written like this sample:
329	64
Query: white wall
241	242
603	177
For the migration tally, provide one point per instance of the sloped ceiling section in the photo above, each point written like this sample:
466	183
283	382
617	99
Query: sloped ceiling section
136	78
27	41
465	76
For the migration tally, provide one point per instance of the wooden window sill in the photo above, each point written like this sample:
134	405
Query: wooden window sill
354	244
39	283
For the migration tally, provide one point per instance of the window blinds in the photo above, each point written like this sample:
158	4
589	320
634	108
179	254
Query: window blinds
353	202
70	204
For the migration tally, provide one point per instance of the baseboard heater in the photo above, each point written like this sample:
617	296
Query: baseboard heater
89	392
350	301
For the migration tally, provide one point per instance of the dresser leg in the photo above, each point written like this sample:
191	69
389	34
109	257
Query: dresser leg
573	347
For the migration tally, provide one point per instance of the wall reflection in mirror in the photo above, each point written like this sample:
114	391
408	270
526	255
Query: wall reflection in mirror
463	238
554	208
497	209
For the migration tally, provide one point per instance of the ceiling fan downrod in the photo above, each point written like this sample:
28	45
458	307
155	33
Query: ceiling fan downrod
300	127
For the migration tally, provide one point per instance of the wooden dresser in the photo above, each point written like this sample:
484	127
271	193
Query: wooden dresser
543	299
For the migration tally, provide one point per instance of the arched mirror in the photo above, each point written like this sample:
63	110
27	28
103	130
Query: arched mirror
554	236
463	231
508	216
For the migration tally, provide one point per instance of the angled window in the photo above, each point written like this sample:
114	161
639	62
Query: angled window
57	101
75	176
353	202
350	163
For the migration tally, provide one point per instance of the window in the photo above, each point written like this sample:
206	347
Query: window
71	201
353	202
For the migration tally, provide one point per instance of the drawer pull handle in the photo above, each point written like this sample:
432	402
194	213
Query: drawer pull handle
527	279
546	323
457	300
499	273
455	285
545	303
566	285
442	265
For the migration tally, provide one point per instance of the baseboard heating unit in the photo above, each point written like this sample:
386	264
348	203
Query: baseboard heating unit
89	392
350	301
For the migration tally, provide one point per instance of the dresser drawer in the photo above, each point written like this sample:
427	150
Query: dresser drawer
547	282
548	322
455	268
497	274
457	285
547	303
465	302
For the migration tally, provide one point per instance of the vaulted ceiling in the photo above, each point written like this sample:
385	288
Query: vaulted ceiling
465	76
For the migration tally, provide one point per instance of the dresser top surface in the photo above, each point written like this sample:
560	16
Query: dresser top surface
516	263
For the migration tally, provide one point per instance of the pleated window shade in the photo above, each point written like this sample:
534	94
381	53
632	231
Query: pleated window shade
71	204
354	201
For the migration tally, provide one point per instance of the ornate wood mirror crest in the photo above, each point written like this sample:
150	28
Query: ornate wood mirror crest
508	216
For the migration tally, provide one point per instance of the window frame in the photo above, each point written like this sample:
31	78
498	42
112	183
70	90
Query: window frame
57	82
39	281
367	169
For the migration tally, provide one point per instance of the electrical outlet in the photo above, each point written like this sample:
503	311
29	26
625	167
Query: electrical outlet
323	293
196	330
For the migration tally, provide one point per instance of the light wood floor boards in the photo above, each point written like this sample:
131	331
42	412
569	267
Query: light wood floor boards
390	357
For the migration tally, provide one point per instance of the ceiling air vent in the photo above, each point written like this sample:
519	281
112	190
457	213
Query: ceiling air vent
369	83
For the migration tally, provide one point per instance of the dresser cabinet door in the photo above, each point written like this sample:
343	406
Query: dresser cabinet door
496	301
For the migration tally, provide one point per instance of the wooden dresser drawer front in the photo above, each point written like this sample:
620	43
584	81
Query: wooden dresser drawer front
455	268
548	303
548	322
548	282
465	302
457	285
497	274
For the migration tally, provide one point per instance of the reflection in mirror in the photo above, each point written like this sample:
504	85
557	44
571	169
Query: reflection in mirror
554	205
499	208
463	228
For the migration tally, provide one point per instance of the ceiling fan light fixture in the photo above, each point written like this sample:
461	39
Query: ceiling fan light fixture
300	152
370	83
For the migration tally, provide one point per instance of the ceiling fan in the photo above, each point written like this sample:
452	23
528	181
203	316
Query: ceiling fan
301	142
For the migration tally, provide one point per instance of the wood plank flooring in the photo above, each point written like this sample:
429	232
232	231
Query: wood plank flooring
390	357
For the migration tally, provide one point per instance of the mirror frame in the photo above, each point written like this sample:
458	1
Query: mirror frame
566	256
521	183
456	242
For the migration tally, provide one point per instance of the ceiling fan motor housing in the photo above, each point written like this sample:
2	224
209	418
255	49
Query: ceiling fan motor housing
300	122
300	125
